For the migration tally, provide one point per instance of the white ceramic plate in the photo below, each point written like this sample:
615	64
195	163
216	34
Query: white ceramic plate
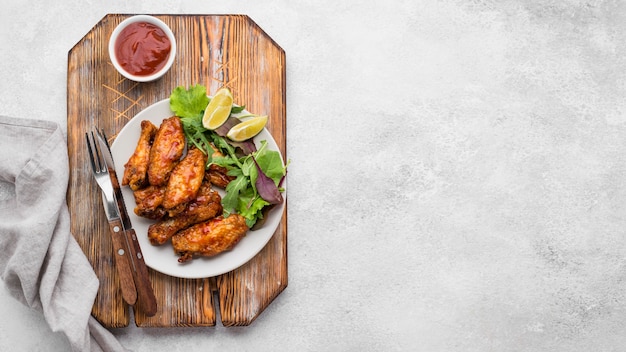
162	258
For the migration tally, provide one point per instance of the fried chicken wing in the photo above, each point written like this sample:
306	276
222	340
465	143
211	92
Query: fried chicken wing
185	179
207	205
149	202
136	169
209	238
218	175
167	148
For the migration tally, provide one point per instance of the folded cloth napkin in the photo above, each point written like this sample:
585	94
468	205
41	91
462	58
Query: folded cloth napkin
40	261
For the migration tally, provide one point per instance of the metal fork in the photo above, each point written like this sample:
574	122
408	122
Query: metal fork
120	243
101	174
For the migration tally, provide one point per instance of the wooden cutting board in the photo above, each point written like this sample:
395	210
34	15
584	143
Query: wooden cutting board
212	50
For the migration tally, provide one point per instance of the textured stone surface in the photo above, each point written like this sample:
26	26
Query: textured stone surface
457	176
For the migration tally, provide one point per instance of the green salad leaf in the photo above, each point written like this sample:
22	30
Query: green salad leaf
189	103
242	193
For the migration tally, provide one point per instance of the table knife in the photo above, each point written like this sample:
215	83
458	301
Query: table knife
145	294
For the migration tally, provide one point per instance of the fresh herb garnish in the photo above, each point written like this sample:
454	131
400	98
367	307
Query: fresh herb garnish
258	174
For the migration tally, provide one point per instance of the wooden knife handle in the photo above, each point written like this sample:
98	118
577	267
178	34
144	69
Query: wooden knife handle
121	253
145	293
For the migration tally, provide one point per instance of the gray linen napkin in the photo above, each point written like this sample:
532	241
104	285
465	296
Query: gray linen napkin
40	261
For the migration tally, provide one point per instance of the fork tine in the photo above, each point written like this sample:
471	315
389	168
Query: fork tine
95	153
91	155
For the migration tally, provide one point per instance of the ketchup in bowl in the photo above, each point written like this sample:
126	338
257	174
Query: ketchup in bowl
142	48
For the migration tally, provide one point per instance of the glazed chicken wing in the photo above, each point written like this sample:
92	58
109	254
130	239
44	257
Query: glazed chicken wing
149	202
185	179
167	148
218	175
207	205
135	170
209	238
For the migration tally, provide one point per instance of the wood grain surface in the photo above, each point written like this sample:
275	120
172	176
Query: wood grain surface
212	50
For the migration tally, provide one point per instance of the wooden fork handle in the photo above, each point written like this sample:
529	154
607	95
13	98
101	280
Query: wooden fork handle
122	254
145	294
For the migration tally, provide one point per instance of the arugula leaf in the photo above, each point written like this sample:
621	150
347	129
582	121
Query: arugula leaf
226	162
230	202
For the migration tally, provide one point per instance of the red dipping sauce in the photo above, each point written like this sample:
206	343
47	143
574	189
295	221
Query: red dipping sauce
142	48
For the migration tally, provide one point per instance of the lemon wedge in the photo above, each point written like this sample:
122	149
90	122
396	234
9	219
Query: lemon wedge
218	110
247	129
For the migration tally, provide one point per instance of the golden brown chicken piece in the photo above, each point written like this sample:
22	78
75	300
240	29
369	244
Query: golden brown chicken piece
135	170
218	175
209	238
207	205
149	202
185	179
167	148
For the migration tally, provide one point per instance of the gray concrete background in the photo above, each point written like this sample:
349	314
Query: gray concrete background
457	177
